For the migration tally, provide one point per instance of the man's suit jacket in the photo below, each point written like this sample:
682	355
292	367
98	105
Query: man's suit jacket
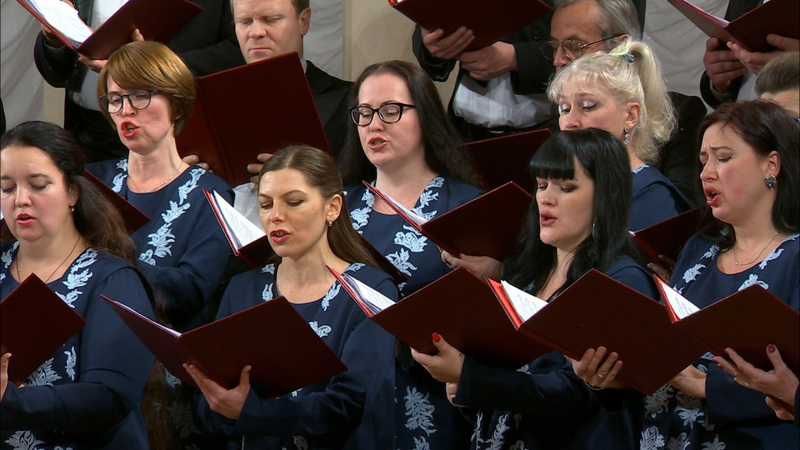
331	96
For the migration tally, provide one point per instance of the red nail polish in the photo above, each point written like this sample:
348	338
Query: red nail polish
771	348
436	337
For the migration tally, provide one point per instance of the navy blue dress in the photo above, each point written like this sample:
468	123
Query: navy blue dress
424	418
88	395
655	198
731	416
347	411
544	405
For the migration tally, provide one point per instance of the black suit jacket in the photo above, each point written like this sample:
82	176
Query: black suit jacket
331	97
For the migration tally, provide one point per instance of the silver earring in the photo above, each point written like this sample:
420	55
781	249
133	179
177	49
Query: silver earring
330	223
770	181
626	135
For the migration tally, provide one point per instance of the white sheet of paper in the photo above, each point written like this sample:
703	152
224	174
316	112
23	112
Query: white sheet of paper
679	304
242	230
526	305
375	301
63	18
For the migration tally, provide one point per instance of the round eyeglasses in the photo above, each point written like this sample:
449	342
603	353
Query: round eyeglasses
139	99
572	48
388	113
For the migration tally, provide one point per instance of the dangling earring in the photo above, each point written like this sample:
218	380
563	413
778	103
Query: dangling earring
626	135
330	223
770	181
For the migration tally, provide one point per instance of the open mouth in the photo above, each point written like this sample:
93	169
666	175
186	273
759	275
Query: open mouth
128	129
376	143
546	218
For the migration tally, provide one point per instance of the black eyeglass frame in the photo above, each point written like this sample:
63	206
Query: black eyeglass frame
107	104
355	109
554	45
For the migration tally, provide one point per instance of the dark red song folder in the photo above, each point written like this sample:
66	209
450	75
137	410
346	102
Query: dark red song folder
133	217
489	21
746	321
34	324
257	108
485	226
157	20
669	236
283	350
751	29
507	158
461	308
600	311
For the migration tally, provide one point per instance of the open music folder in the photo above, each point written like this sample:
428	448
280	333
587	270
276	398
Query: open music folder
485	226
507	158
490	21
273	338
34	324
157	20
669	236
260	107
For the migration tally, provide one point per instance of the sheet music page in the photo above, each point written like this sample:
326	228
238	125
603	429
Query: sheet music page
525	304
412	215
678	303
374	300
63	18
243	231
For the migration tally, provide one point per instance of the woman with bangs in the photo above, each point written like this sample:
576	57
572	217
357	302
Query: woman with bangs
577	223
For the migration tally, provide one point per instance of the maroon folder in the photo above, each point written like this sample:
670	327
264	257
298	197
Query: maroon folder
669	236
257	108
283	350
461	308
490	21
34	324
157	20
746	321
131	215
485	226
600	311
751	29
507	158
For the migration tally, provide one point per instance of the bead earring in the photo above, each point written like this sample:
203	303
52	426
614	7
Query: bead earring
330	223
770	181
626	135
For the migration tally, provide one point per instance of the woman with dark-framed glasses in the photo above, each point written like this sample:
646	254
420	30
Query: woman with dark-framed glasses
147	93
401	141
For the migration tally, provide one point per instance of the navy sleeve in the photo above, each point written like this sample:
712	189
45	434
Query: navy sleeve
653	204
113	369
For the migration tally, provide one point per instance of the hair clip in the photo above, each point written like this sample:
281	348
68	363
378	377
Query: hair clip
622	53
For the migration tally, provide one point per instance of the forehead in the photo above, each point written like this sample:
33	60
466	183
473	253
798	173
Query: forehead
25	160
263	7
788	100
573	88
384	87
581	21
279	182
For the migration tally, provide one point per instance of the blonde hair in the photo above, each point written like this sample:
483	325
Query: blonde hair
151	65
629	73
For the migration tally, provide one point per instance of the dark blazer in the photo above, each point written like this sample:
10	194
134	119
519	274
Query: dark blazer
331	97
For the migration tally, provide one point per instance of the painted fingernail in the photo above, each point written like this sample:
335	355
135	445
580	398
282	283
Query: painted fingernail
436	337
771	348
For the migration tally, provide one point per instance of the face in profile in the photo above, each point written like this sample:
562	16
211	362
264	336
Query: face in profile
566	208
389	144
141	126
733	174
35	198
267	28
581	107
294	213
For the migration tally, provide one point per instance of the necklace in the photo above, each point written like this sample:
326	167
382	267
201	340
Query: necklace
136	186
736	257
56	269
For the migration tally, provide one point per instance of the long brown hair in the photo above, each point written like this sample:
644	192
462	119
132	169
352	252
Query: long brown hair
321	172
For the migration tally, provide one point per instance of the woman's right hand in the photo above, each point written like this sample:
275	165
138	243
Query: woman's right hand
481	266
663	270
597	371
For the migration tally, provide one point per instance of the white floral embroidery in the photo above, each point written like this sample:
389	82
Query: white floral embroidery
269	268
411	240
525	369
6	258
44	375
421	443
266	294
659	401
419	411
638	169
189	186
716	444
162	240
321	330
679	443
519	445
775	254
300	442
651	439
23	440
119	179
751	280
2	277
400	260
355	267
171	379
711	253
332	292
692	273
360	217
72	359
496	441
77	278
437	182
295	393
476	433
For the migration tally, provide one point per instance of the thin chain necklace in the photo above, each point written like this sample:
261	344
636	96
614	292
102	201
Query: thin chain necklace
136	186
56	269
736	257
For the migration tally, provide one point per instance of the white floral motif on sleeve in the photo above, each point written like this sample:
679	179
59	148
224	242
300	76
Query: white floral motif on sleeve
44	375
651	439
72	359
23	440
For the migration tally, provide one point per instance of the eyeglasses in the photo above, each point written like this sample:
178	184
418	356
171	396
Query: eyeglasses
388	112
139	99
572	48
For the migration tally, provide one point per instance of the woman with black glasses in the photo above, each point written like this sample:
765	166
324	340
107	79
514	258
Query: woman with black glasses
400	140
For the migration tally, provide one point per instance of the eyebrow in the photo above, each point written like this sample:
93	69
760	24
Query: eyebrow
294	191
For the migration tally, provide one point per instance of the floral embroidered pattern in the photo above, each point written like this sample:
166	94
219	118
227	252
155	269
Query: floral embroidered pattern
419	411
44	375
23	440
72	359
651	439
321	330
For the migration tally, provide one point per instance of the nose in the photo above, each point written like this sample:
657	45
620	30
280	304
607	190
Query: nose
569	120
127	107
545	197
560	58
276	214
257	30
376	124
21	197
708	170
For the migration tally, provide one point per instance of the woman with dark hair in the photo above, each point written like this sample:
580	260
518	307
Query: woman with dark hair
751	180
577	223
66	233
305	217
401	141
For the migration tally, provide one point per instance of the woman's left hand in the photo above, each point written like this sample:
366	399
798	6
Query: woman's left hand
597	371
228	402
691	381
780	382
446	365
